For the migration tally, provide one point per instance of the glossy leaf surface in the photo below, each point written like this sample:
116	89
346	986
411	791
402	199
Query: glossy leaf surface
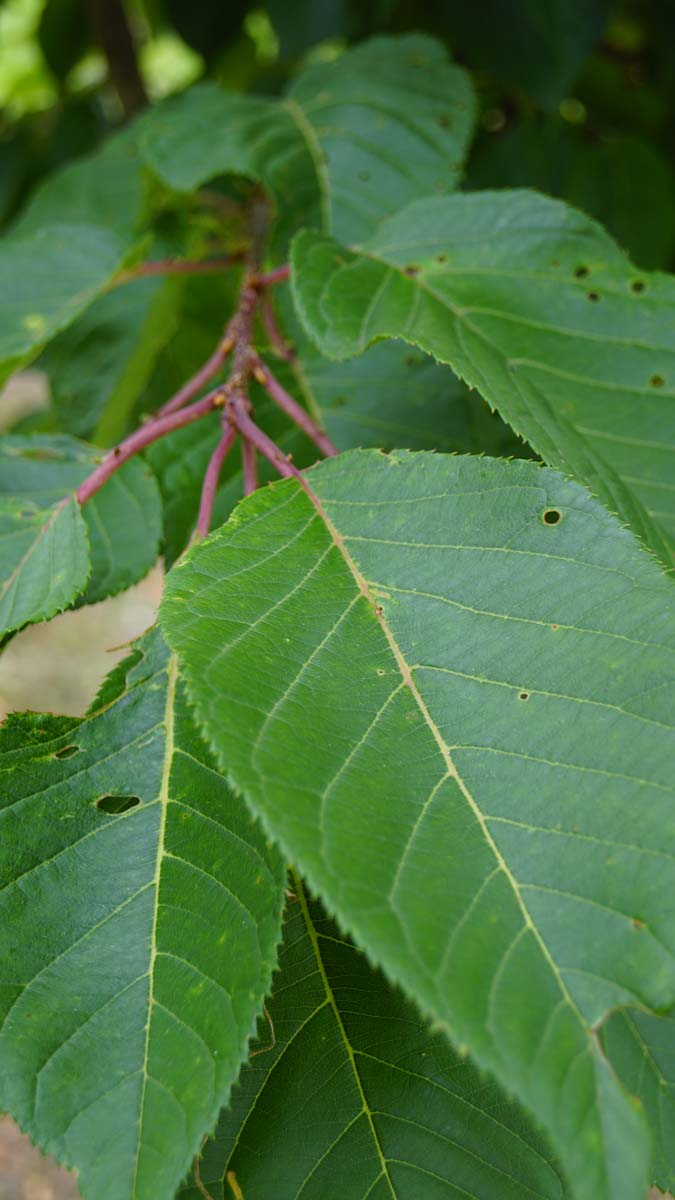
140	911
444	685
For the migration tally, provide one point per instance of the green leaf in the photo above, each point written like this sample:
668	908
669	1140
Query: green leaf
443	683
45	559
392	395
206	132
393	1108
104	361
48	278
320	151
534	304
123	520
140	912
386	123
106	189
642	1051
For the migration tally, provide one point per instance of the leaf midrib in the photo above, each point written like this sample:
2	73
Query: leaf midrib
163	799
367	1111
451	769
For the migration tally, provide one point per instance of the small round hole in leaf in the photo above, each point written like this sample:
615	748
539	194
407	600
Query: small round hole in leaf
593	296
551	516
523	695
656	381
637	286
116	804
581	272
441	258
412	270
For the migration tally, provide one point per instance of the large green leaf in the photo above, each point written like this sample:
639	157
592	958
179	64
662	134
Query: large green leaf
44	563
533	304
140	914
642	1050
123	520
395	1111
352	142
48	278
443	683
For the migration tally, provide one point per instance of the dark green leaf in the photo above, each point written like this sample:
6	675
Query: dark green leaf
534	304
444	683
394	1110
63	34
140	913
123	520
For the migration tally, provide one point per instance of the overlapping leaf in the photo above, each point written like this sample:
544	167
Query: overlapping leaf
102	363
444	684
123	521
535	306
140	913
352	142
48	278
394	1110
642	1050
44	564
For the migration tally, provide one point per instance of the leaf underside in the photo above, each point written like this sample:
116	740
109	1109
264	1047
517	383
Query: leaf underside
441	682
534	305
140	909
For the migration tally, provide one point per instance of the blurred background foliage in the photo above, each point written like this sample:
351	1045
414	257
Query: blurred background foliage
576	96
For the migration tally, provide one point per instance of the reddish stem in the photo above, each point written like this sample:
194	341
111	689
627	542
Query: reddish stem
279	275
177	266
295	411
148	433
201	377
269	449
275	337
211	481
249	462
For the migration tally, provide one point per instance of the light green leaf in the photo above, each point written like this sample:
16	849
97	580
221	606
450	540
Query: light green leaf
394	1110
123	520
533	304
642	1051
140	913
443	683
44	562
352	142
48	278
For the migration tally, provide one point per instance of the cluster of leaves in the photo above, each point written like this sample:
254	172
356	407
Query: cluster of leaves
437	684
